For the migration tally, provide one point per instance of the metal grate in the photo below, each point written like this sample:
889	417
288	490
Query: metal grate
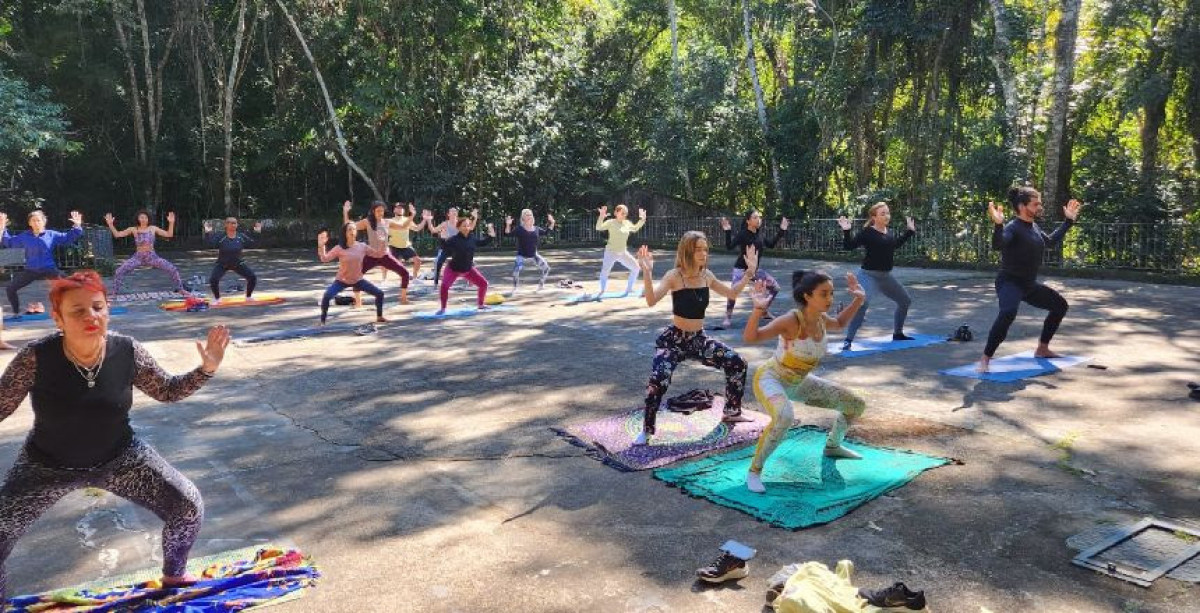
1144	552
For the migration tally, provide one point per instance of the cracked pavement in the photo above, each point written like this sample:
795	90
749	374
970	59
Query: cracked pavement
418	468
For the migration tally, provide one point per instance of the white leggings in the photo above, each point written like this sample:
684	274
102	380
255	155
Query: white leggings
626	260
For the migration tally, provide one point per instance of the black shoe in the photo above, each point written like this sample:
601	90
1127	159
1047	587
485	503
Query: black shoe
902	337
724	568
895	598
846	346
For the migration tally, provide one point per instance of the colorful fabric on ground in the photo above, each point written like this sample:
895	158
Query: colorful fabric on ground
28	317
804	488
265	576
879	344
226	302
677	436
1016	367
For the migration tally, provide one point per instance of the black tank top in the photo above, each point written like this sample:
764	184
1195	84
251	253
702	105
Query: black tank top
689	302
75	426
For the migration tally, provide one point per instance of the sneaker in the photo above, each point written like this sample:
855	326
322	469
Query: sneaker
724	568
895	598
902	337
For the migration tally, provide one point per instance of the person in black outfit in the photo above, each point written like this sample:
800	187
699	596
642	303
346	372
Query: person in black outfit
460	255
1022	245
230	244
750	235
876	274
80	381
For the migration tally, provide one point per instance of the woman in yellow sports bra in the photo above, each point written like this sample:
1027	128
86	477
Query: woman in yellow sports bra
785	377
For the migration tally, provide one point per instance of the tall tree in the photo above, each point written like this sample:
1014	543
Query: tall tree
759	102
1054	183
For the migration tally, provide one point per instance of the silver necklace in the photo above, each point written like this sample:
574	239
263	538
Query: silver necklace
89	374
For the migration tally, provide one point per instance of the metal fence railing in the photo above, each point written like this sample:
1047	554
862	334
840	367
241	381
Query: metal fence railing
1166	248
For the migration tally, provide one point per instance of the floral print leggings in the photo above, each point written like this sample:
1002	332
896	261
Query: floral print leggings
673	347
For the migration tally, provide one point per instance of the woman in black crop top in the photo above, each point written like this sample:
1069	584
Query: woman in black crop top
81	382
689	284
876	274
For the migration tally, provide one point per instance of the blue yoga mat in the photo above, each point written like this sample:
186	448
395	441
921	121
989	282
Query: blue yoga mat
1016	367
637	293
27	317
293	333
879	344
468	311
804	488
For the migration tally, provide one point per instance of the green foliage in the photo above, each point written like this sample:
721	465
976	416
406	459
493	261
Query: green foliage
504	104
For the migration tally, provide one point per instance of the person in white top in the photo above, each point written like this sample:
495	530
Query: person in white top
785	377
619	228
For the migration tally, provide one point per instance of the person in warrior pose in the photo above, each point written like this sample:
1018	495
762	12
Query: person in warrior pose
80	381
230	243
1022	244
143	238
377	227
616	250
750	235
399	241
786	376
460	250
39	244
689	284
444	231
350	255
528	236
876	274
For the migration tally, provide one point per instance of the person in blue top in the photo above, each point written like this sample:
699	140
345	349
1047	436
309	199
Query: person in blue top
528	236
39	244
1022	245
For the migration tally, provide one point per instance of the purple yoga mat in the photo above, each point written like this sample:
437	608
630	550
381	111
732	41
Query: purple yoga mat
678	436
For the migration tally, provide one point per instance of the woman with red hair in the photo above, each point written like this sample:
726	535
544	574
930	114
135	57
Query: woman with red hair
81	382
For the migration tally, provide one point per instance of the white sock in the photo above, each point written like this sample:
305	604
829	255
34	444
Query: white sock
642	439
754	483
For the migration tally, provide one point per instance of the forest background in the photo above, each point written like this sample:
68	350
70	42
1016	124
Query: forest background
803	108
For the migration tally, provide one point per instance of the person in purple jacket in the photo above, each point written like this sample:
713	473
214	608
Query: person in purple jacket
39	244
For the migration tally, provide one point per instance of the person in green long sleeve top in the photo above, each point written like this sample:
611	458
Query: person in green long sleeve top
619	228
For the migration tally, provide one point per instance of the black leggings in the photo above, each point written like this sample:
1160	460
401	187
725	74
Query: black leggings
1012	291
218	271
24	277
139	475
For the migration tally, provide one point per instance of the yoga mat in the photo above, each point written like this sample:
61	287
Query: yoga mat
462	312
678	436
804	488
294	333
226	303
142	296
231	581
1016	367
27	317
879	344
637	293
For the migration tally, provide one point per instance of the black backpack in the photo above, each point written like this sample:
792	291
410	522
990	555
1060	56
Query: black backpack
962	334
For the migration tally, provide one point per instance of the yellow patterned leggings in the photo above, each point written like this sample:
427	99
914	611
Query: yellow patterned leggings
776	387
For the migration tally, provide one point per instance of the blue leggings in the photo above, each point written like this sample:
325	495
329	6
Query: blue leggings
363	286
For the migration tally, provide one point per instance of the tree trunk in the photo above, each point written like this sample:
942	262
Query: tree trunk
337	126
1001	51
1054	190
759	102
677	81
230	88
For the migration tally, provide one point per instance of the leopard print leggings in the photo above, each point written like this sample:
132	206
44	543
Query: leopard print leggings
139	474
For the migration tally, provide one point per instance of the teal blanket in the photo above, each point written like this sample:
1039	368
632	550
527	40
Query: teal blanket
804	488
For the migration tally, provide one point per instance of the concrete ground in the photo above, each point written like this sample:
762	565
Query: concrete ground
418	468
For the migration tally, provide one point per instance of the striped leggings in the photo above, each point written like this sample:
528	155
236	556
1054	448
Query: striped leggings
776	387
145	258
139	475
